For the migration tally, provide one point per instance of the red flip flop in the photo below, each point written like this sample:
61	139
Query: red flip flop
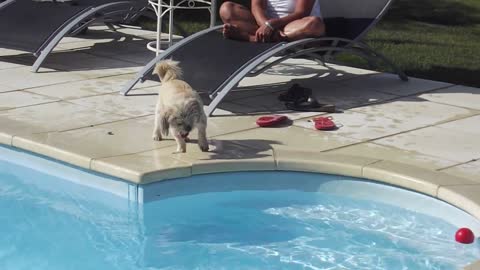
271	120
324	123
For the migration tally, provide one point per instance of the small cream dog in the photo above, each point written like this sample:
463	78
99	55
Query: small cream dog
179	108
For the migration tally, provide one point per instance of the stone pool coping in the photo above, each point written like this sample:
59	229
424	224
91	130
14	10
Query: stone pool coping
458	191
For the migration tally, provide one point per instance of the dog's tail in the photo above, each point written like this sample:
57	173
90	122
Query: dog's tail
168	70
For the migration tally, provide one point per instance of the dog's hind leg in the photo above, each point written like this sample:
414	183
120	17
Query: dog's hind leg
157	131
202	137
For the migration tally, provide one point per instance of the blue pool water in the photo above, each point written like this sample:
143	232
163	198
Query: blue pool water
49	223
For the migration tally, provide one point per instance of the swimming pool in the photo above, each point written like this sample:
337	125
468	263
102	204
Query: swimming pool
257	220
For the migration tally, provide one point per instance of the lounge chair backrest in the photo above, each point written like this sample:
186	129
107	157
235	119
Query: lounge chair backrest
352	18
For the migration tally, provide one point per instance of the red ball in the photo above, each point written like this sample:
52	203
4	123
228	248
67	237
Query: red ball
464	236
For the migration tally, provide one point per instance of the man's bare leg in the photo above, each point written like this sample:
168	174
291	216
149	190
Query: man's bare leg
308	27
239	22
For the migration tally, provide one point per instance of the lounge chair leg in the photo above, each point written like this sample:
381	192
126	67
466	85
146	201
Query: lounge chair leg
319	59
380	56
397	70
129	86
111	27
45	51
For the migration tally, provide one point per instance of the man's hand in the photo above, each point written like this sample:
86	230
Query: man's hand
264	34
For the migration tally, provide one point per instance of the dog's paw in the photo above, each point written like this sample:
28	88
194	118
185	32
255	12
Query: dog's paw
179	152
204	148
157	138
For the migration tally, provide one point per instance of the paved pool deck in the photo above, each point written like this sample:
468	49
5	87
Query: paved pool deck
422	135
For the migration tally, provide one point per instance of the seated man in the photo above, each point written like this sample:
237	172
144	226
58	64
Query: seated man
272	20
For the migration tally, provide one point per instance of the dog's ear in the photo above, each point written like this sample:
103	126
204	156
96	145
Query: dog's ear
165	122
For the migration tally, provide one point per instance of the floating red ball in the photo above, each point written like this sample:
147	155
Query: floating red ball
464	236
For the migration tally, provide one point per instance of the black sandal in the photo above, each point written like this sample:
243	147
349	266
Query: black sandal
310	105
295	93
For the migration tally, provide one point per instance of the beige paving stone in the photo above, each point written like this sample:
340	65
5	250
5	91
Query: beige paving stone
287	71
67	91
469	125
439	142
135	31
50	117
86	88
101	141
469	170
143	168
62	56
457	95
255	89
391	84
40	145
116	50
8	52
416	112
351	70
21	78
407	176
225	156
15	99
9	65
465	197
114	47
311	161
114	139
226	125
288	137
6	88
132	106
346	97
231	109
473	266
95	33
92	73
302	68
361	126
142	57
325	91
266	105
5	138
393	154
310	69
281	76
103	34
94	65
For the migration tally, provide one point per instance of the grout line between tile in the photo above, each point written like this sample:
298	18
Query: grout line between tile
457	164
421	92
369	164
97	125
66	82
31	105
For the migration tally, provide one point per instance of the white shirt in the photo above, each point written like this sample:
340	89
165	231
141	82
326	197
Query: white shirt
282	8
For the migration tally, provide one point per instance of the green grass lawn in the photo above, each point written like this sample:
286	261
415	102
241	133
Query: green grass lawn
431	39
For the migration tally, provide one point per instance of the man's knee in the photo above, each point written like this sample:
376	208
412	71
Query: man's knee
226	11
315	25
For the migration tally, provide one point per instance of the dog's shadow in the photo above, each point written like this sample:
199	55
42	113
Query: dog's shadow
237	149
